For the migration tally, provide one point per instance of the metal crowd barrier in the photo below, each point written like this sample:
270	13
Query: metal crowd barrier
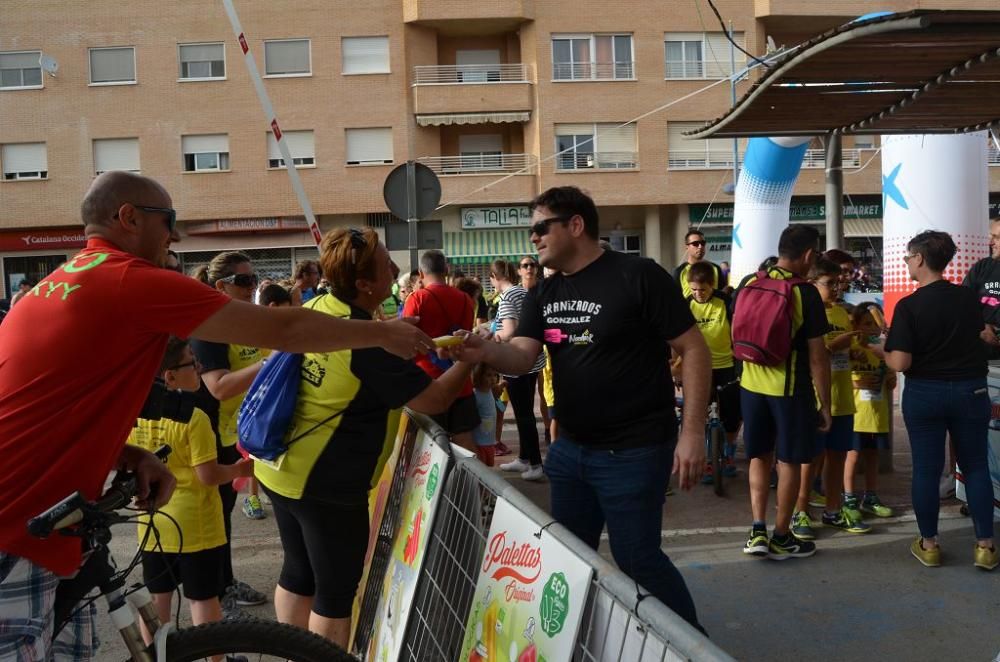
617	625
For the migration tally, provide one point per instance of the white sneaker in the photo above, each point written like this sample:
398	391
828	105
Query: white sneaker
946	488
534	473
516	465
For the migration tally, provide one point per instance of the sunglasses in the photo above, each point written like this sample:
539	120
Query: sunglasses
181	366
358	243
541	228
528	265
241	280
171	215
697	244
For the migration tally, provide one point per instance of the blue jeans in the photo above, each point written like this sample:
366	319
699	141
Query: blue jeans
626	490
932	408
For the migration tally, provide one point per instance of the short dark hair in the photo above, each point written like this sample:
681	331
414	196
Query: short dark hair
569	201
275	294
937	248
173	353
434	262
701	272
768	262
469	286
824	267
26	282
839	256
693	232
796	240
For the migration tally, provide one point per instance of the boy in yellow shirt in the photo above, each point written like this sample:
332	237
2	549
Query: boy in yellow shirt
834	445
193	556
874	382
713	316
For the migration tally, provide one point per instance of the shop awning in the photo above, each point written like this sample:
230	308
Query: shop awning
482	246
473	118
862	227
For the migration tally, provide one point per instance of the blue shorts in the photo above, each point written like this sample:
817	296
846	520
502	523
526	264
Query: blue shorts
783	425
839	438
865	441
552	412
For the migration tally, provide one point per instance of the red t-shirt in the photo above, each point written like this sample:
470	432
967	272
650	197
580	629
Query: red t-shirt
442	310
78	355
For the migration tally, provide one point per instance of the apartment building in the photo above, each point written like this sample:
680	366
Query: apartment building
501	98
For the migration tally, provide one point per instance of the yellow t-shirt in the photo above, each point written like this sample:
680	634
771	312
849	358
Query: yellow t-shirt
240	356
712	318
841	387
196	507
547	388
872	405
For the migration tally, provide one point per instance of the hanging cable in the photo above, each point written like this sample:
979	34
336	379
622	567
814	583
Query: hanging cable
729	38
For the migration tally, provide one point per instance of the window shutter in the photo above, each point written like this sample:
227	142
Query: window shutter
716	54
615	138
300	144
112	65
574	129
20	60
369	145
201	52
286	57
365	55
480	143
116	154
24	157
208	143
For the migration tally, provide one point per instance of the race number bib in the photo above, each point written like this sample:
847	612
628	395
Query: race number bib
840	361
868	395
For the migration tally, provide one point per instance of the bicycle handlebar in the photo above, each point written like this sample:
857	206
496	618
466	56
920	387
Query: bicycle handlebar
75	508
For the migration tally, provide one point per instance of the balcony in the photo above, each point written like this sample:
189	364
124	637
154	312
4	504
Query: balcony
816	158
482	164
472	88
723	160
442	13
597	161
993	155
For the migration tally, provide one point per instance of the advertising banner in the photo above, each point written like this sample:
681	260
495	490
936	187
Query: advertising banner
529	595
421	494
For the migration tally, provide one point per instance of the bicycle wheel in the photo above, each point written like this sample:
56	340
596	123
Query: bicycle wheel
254	639
716	440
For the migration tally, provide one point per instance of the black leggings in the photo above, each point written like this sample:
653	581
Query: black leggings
522	400
324	548
228	455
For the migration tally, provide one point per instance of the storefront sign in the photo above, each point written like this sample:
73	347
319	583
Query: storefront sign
42	240
279	224
474	218
529	595
802	209
421	492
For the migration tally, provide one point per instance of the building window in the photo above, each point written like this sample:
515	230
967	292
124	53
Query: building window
699	154
630	244
365	55
116	154
202	61
20	70
701	54
112	66
24	161
593	57
287	57
300	144
369	146
208	153
600	146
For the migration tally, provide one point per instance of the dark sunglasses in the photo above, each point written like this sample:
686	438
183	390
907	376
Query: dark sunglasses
358	243
528	265
697	244
541	228
171	215
241	280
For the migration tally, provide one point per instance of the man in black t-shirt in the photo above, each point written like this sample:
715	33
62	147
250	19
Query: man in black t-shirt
984	279
609	321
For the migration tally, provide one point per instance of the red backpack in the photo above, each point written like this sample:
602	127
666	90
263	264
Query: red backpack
762	321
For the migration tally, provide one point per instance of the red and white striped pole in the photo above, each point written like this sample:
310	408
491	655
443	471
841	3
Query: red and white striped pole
272	122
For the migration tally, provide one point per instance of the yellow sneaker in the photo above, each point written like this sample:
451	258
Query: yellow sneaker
929	557
987	558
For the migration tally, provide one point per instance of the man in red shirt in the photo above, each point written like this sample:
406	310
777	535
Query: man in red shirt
77	358
442	310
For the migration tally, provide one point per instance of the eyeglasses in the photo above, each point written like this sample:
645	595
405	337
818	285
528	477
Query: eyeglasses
697	244
829	284
171	215
910	256
181	366
541	227
528	265
241	280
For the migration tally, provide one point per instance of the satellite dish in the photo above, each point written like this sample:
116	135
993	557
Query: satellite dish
48	64
771	47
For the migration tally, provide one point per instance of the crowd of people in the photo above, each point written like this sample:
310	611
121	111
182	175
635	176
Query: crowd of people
811	399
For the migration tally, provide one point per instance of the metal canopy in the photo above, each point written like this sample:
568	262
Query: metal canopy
923	71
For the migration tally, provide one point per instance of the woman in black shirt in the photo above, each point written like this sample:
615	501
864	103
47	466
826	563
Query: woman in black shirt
935	341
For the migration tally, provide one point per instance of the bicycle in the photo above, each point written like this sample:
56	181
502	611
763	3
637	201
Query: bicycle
718	451
92	521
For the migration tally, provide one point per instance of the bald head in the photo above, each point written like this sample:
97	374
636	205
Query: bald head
114	188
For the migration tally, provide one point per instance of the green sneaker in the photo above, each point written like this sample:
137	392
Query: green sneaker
816	500
802	526
873	506
846	520
789	547
757	543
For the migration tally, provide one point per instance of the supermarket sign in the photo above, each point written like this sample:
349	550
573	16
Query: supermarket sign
42	240
860	206
225	226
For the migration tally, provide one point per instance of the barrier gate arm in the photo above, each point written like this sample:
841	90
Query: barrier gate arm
272	122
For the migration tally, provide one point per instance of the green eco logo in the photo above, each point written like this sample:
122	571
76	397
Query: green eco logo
554	604
432	481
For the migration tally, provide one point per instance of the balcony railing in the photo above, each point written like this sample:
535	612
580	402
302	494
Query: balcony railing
597	160
992	155
481	164
816	158
701	160
471	74
593	71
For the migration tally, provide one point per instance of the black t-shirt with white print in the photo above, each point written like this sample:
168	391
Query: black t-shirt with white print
606	328
984	279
